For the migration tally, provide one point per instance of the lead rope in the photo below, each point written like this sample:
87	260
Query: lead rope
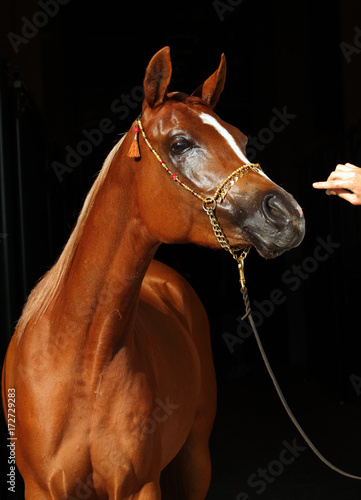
218	231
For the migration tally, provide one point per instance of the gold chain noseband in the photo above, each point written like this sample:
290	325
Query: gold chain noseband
209	204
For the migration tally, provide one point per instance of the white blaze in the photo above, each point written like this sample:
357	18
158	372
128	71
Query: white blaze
210	120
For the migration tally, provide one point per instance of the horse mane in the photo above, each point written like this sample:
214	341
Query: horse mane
49	286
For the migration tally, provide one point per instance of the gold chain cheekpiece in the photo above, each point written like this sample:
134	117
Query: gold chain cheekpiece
209	204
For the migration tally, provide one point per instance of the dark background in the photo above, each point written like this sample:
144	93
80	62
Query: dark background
65	76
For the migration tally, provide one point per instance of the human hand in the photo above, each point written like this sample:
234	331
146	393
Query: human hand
345	182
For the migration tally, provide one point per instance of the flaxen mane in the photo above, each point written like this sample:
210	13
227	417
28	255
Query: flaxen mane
49	286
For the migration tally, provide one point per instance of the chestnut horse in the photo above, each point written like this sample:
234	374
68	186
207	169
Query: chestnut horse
111	361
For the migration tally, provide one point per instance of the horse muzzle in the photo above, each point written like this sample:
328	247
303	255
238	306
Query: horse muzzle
276	224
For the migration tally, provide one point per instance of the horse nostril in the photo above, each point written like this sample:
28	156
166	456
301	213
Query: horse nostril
274	208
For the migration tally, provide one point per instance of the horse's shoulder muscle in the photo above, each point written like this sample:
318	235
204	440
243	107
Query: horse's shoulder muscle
163	283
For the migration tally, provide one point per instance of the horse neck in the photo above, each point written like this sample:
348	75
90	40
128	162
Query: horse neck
100	295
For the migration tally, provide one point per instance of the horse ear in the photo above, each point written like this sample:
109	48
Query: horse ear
211	89
157	77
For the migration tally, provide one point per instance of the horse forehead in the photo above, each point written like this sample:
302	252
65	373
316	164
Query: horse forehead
175	114
211	120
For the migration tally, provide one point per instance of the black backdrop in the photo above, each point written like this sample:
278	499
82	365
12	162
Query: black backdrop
66	71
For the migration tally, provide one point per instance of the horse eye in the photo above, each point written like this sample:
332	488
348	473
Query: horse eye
180	146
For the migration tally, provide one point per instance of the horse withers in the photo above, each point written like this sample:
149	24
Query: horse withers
111	363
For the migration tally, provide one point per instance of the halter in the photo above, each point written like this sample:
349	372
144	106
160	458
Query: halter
209	203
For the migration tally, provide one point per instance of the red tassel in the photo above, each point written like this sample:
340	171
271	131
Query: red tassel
134	151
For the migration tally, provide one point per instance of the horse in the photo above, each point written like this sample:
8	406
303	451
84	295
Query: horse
110	366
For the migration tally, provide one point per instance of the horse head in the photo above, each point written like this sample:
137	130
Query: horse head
200	152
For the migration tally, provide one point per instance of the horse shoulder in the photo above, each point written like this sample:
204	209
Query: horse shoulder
163	288
162	284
